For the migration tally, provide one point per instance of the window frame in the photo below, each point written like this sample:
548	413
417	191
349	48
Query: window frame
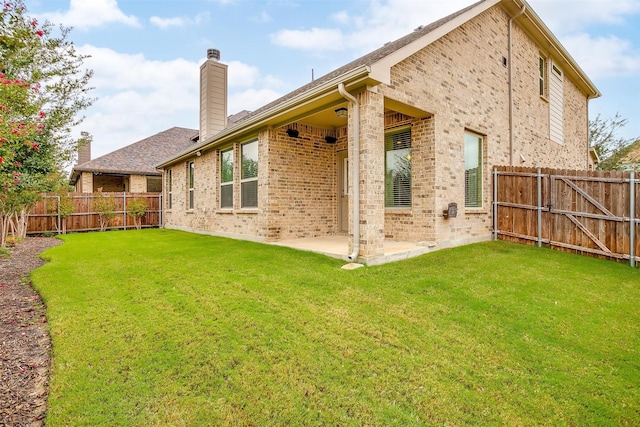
390	199
478	202
191	180
250	179
228	183
543	76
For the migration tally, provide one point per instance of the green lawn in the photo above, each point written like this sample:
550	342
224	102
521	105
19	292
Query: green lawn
160	327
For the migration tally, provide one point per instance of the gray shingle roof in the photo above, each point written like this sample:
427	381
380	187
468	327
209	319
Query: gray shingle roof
142	157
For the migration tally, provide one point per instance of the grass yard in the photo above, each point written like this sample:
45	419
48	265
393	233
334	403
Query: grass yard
166	328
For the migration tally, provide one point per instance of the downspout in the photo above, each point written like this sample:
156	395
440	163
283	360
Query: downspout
511	85
355	162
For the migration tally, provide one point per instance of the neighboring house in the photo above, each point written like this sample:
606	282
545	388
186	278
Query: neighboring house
386	147
131	168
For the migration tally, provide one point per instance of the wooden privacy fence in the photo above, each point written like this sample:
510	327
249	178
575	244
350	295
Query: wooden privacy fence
45	216
589	212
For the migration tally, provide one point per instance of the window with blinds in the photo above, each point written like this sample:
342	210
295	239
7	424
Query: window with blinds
226	179
472	170
249	175
397	184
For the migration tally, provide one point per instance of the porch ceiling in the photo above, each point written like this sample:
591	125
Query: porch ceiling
325	117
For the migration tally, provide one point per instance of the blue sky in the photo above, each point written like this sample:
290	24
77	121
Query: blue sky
146	53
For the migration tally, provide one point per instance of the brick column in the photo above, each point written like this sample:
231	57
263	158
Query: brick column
371	173
268	218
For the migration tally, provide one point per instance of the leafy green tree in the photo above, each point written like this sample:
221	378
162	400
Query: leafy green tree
43	88
105	206
604	137
137	208
63	207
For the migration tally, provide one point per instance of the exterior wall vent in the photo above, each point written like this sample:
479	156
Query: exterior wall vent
213	54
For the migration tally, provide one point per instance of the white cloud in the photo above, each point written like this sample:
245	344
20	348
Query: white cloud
242	75
315	39
165	23
85	14
262	17
251	99
118	71
603	57
341	17
273	82
137	97
379	23
568	16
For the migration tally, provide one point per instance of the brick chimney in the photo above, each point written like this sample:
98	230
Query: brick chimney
84	152
213	95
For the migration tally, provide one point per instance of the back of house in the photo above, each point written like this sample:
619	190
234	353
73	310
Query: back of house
397	145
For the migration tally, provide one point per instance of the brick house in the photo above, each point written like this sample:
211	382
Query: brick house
385	148
131	168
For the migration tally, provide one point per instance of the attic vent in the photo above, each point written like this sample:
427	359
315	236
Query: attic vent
419	28
213	54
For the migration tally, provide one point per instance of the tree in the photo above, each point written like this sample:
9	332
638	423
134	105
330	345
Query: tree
43	87
63	207
105	206
603	136
137	208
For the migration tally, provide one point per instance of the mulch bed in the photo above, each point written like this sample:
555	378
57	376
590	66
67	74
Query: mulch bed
25	345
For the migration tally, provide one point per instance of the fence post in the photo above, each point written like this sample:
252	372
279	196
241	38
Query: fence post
160	211
539	179
495	203
124	209
632	219
59	221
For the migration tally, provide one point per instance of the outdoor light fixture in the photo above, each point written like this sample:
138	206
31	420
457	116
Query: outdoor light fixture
342	112
330	139
293	133
198	153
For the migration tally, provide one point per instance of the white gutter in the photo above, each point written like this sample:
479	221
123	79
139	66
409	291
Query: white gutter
511	84
355	166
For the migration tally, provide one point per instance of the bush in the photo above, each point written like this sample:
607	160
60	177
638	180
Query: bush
137	208
105	207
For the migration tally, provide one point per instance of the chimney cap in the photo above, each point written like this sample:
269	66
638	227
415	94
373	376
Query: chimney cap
213	54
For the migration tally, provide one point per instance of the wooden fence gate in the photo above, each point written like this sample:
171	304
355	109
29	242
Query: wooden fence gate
588	212
45	217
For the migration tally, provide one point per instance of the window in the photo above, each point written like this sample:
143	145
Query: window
226	179
472	170
397	181
542	63
191	180
249	176
154	184
169	189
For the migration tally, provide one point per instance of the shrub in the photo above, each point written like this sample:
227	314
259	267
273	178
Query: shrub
105	207
137	208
